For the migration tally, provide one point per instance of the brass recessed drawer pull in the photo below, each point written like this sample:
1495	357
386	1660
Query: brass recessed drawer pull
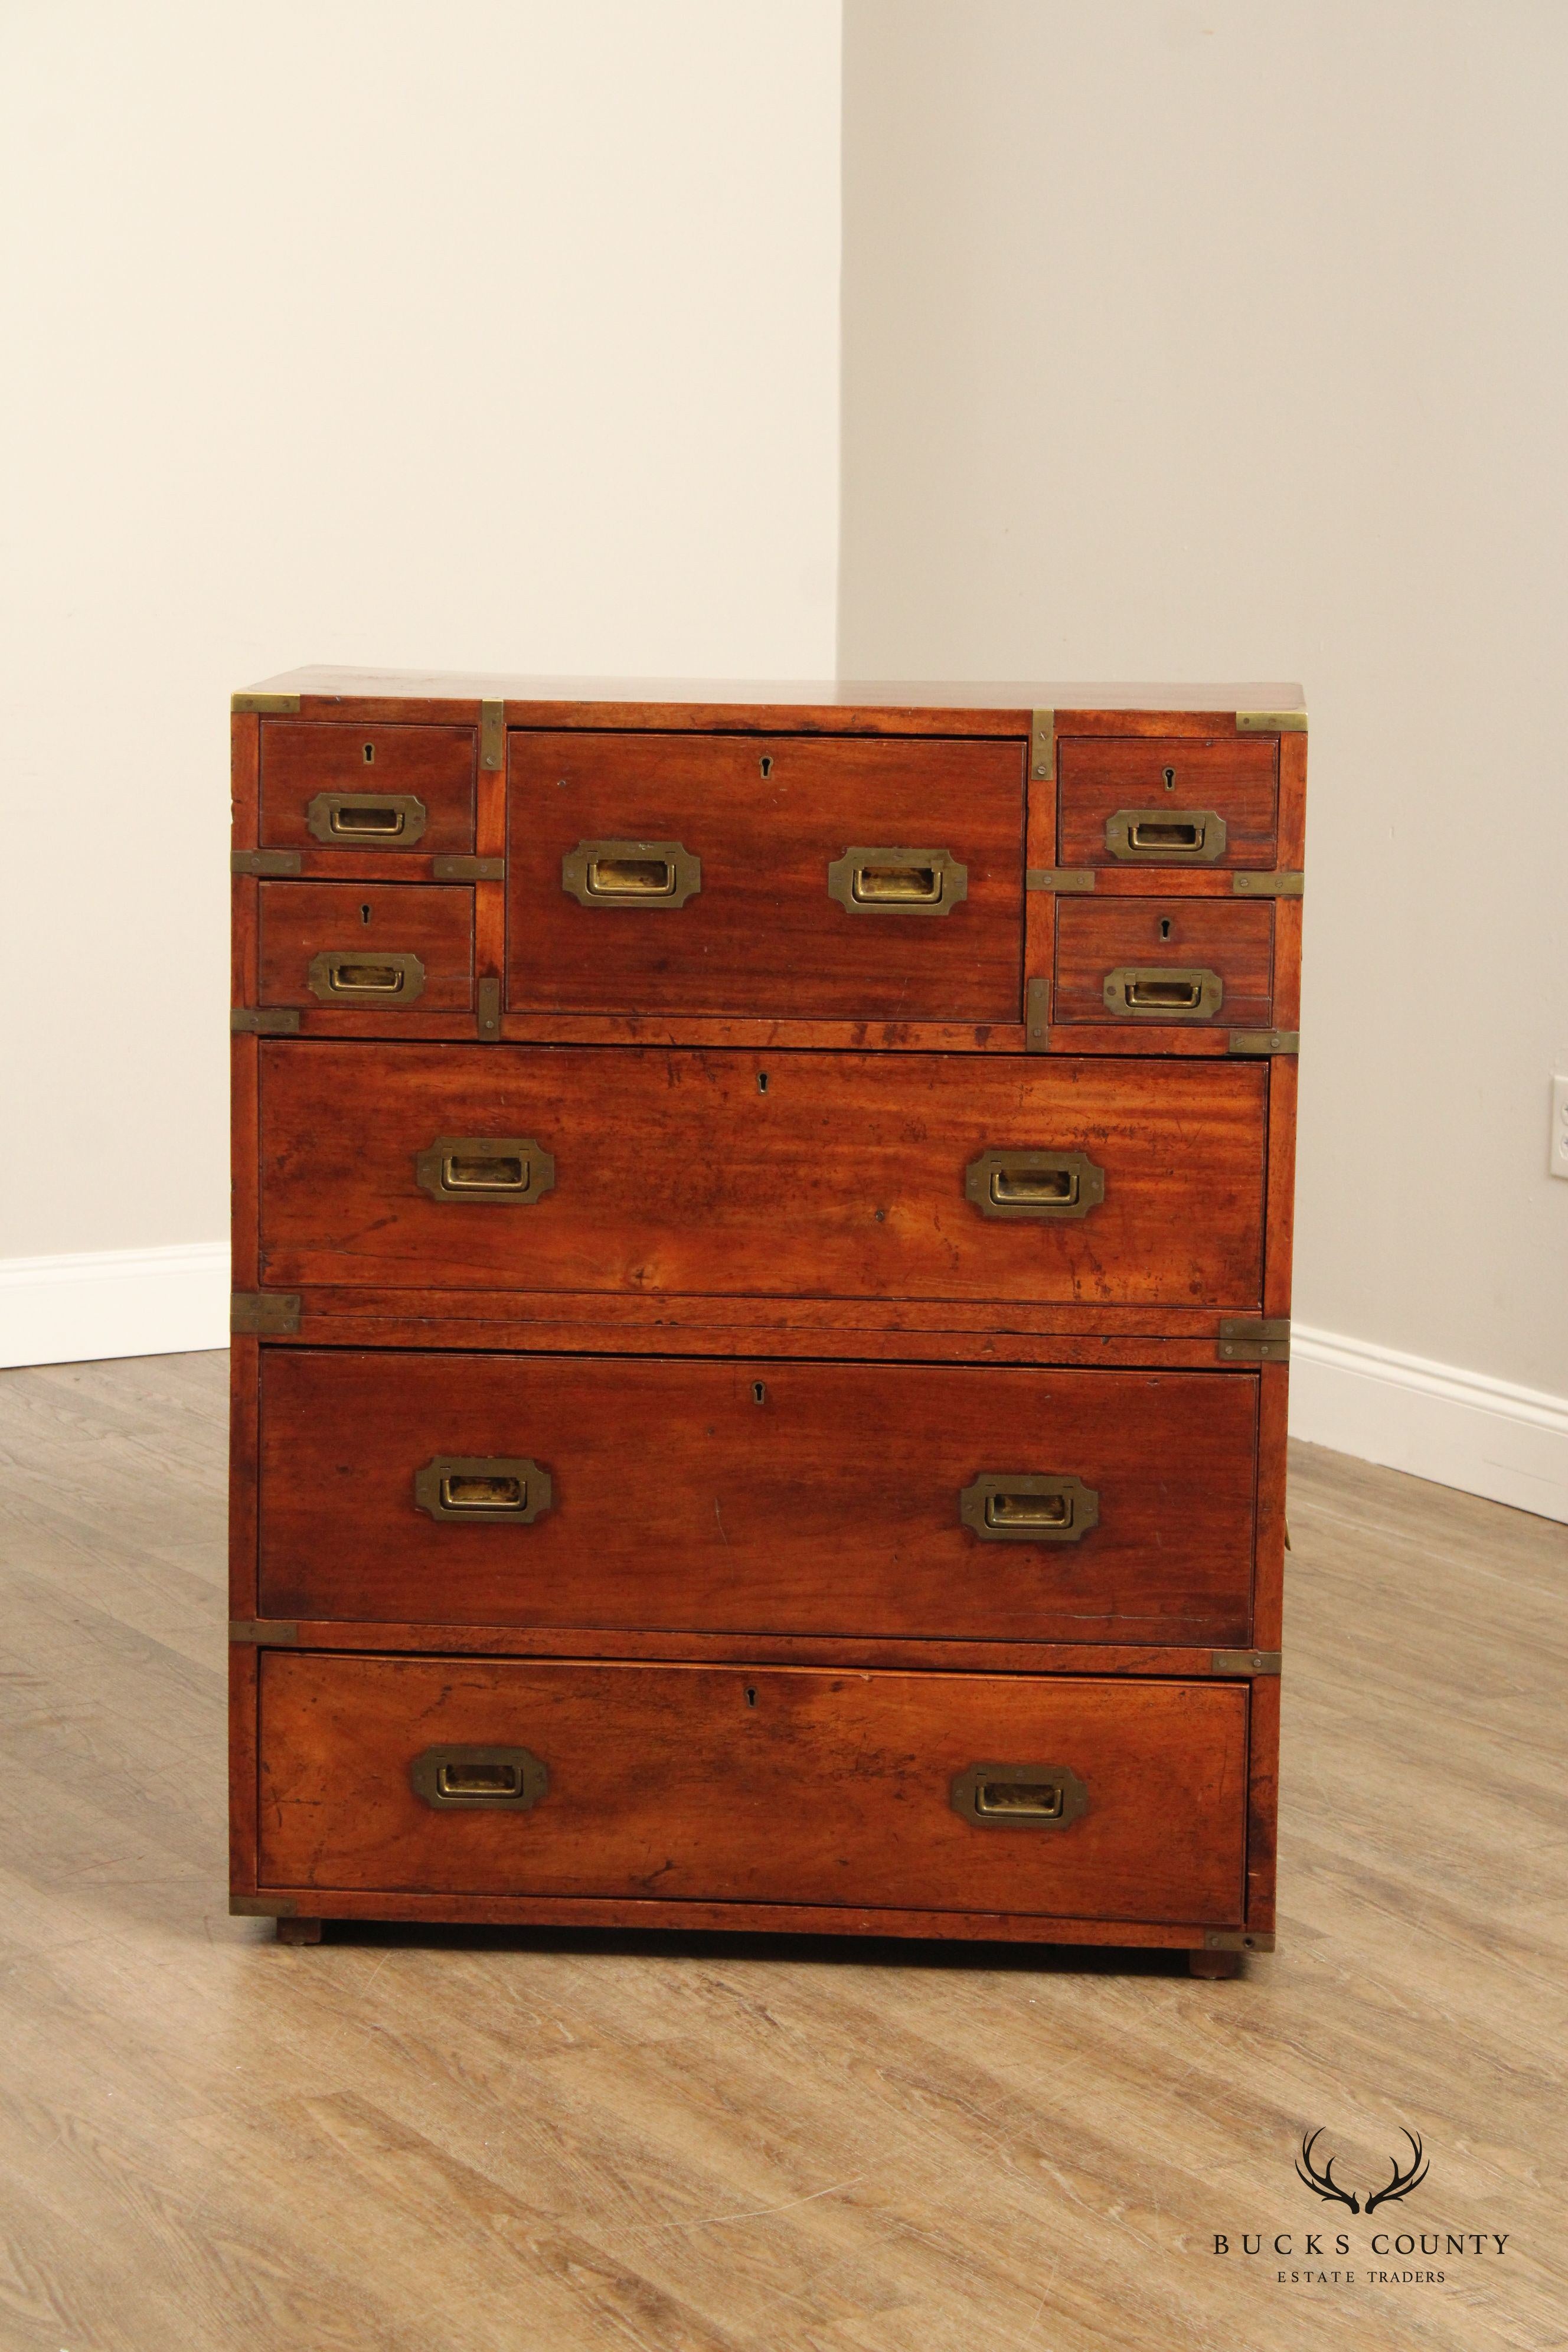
1028	1506
1163	993
1166	836
631	873
1019	1796
482	1167
1034	1183
374	818
897	881
489	1487
347	975
509	1779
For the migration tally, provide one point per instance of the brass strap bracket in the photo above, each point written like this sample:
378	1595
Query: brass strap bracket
1244	1339
488	997
1236	1939
264	1313
1265	1041
468	870
269	705
277	862
1245	1662
264	1021
1043	746
1036	1027
1270	722
263	1633
492	734
1267	886
263	1907
1061	879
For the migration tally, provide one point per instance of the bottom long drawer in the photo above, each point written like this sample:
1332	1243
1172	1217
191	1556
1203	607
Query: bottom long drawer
1024	1794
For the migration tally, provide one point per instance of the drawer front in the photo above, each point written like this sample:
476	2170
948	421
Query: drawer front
764	876
767	1785
1138	961
1180	801
918	1501
372	788
356	947
735	1173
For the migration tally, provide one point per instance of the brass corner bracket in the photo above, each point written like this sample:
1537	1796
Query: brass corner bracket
264	1313
1244	1662
266	705
1249	1339
1270	722
1237	1939
1043	746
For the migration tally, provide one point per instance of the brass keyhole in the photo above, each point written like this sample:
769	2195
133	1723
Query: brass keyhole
767	769
369	753
1164	926
759	1392
762	1082
751	1696
364	914
1170	776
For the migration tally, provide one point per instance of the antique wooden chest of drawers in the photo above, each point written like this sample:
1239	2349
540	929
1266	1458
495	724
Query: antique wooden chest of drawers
761	1251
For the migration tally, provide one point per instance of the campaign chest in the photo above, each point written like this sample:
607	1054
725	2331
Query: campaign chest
761	1245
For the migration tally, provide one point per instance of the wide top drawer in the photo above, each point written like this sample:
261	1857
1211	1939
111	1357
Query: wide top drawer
765	876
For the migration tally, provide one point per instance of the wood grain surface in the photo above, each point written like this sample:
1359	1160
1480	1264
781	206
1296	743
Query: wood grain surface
435	765
766	817
755	1784
1098	936
756	1494
1236	776
733	1173
416	2139
364	921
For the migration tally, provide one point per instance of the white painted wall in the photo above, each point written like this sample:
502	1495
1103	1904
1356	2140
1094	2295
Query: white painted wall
496	336
1231	341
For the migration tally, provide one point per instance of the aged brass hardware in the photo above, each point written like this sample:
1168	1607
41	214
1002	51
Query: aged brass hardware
488	1010
1163	993
264	1021
897	881
1028	1506
1034	1183
1059	879
1247	1340
511	1779
483	1488
1236	1939
1265	1041
482	1167
1037	1016
1019	1796
492	734
264	1313
370	819
276	862
1270	722
262	1906
1043	746
1245	884
1245	1662
263	1633
468	870
1164	836
348	973
631	873
272	706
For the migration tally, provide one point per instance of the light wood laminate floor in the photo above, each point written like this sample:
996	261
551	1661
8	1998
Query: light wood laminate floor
466	2141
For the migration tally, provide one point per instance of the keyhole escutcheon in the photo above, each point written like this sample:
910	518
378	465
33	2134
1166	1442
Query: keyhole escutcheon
1169	777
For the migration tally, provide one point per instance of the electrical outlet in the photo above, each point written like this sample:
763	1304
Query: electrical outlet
1557	1155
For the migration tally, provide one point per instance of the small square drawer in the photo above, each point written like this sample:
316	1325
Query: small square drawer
765	876
370	789
1083	1798
367	947
1180	801
1152	961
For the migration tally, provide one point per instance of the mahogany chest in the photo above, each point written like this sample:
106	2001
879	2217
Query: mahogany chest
762	1245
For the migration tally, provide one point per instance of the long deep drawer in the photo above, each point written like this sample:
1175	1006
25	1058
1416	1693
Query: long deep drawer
647	1170
906	1500
1085	1798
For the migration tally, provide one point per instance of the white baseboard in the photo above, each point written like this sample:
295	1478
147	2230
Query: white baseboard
98	1303
1460	1429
